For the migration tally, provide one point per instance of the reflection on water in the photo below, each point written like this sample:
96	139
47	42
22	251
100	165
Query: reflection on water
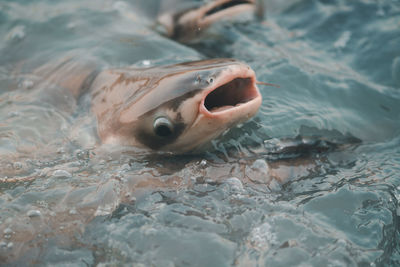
312	179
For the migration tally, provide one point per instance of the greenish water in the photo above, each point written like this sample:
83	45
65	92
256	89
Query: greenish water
313	179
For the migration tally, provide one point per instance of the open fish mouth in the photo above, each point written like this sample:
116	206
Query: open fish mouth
233	94
223	5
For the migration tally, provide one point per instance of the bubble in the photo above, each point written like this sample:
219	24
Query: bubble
62	174
17	165
262	237
203	163
7	231
209	181
27	84
17	33
33	213
235	184
146	62
42	203
82	154
103	210
72	211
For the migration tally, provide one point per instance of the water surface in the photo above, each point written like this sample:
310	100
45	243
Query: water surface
313	179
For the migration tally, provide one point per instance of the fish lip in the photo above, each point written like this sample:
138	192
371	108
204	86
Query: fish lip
212	13
251	91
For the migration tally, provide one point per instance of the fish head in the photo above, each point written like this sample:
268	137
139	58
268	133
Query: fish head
176	108
186	23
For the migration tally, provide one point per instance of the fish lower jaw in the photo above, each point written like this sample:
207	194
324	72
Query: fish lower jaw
221	109
235	92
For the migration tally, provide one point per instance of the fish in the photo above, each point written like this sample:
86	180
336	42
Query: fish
174	108
170	108
185	20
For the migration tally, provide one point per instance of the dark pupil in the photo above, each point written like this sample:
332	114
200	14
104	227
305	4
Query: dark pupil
163	130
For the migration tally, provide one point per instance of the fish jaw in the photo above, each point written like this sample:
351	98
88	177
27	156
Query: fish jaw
232	98
234	94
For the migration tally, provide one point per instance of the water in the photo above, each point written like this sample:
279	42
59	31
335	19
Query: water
313	179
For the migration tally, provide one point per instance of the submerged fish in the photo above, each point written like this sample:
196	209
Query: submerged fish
184	20
174	108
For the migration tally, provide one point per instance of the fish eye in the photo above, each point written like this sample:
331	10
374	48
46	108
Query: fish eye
163	127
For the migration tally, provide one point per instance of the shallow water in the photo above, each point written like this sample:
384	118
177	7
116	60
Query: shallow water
313	179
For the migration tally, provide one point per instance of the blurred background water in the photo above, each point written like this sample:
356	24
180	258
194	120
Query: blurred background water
313	179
